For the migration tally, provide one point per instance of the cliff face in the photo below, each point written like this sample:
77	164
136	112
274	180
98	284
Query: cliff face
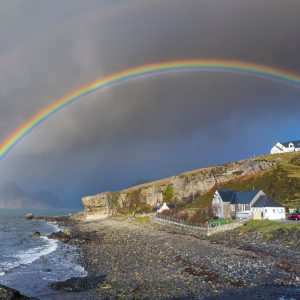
185	186
97	206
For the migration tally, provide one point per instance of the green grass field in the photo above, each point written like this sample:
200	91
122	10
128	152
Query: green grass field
272	230
142	219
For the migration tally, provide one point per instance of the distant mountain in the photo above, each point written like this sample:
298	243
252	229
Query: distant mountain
13	196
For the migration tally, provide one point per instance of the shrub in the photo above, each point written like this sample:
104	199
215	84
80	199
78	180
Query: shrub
125	210
134	199
169	192
144	208
166	212
183	215
201	216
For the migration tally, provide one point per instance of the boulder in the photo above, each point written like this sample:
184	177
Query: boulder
59	235
7	293
77	284
29	216
35	234
68	232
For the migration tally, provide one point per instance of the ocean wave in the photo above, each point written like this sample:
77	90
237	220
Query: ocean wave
55	226
9	265
73	271
28	256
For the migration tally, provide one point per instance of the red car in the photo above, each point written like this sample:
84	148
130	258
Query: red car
294	216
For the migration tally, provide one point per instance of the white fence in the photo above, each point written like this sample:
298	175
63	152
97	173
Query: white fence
203	231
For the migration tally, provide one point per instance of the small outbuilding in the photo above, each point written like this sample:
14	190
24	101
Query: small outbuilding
161	207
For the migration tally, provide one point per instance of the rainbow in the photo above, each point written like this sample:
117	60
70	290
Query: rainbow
171	67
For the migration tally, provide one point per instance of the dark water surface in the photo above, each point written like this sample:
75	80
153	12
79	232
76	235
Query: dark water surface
29	264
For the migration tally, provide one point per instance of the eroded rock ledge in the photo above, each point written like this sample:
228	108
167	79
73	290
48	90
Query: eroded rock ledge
184	185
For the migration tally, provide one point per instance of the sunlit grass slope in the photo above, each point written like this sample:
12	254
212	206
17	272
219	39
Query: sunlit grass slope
281	182
271	230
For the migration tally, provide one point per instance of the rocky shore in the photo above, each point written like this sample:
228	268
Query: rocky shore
7	293
129	259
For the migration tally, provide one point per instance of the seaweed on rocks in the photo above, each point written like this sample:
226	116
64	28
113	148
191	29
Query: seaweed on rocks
77	284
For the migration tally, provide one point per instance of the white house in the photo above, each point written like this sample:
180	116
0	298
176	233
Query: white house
229	203
283	147
267	209
163	207
244	205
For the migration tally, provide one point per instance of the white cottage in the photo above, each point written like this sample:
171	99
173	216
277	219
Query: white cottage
267	209
284	147
245	205
229	203
163	208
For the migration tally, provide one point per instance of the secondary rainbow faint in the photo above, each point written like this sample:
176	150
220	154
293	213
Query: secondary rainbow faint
149	70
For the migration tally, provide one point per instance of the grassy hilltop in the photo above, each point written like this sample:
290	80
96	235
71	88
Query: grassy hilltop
281	181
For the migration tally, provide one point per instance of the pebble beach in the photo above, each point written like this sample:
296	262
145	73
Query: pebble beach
143	260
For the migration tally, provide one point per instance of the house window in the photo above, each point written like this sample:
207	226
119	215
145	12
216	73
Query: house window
266	210
273	210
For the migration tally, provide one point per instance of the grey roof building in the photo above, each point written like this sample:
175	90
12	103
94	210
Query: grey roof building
264	201
227	195
234	197
287	144
246	204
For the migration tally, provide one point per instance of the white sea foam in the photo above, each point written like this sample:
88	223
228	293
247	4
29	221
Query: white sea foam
29	256
81	271
55	226
73	271
62	266
6	266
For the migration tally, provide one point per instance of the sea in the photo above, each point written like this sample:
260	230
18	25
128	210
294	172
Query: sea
30	264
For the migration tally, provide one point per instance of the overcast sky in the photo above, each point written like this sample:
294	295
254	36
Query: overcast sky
147	128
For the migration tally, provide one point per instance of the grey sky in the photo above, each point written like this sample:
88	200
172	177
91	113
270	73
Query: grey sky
148	128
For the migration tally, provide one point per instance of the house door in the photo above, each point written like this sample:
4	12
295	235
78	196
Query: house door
262	215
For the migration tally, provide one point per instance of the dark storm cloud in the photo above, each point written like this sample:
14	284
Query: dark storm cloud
48	49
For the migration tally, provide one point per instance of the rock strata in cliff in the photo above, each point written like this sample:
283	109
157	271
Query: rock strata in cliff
184	185
97	206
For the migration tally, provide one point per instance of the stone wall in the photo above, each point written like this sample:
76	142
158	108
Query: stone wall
200	231
226	207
